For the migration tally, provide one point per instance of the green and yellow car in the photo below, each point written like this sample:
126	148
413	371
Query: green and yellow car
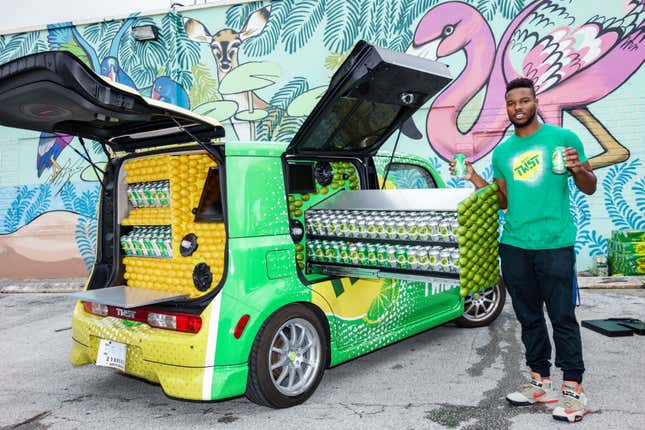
248	268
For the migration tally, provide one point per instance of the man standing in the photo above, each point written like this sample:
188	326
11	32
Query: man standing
536	248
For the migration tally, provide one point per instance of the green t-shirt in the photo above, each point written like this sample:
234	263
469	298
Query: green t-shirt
538	200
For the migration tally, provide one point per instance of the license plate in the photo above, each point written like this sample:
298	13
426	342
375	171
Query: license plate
111	354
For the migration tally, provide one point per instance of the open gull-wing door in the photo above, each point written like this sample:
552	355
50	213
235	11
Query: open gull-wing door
56	92
373	92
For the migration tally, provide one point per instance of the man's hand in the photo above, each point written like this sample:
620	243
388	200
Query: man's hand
572	160
470	170
583	175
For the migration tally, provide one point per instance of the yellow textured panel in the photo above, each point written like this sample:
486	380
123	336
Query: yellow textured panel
148	216
186	174
153	354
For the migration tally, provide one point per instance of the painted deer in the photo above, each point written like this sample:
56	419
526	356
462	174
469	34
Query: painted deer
225	45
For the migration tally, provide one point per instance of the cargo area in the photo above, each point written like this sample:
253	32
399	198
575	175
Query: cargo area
172	235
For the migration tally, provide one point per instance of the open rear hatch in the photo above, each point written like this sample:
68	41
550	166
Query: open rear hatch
56	92
371	95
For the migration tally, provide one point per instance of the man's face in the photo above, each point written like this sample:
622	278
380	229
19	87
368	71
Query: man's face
521	106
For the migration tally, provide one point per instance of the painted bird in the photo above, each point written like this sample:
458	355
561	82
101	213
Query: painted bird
573	61
167	90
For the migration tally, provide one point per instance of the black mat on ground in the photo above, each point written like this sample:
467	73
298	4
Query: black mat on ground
615	327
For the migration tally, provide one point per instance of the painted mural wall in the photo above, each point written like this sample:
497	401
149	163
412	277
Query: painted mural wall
260	67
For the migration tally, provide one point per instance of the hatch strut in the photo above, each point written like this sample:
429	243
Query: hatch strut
88	158
387	167
214	155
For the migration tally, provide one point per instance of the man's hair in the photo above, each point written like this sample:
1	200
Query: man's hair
520	83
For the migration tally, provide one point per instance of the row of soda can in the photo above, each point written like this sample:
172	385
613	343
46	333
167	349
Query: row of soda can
438	226
148	241
416	257
149	194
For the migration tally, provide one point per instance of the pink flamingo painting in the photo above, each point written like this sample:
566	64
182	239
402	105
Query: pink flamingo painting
572	64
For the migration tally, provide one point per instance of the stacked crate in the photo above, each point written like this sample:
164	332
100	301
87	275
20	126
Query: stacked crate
627	252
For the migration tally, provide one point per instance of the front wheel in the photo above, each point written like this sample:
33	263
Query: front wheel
482	308
288	358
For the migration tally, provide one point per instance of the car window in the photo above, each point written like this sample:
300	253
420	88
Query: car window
410	176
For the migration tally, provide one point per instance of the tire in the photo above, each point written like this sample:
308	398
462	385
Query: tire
300	368
481	309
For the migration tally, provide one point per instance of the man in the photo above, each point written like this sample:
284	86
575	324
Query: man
536	248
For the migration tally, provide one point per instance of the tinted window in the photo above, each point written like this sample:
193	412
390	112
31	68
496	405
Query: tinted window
410	176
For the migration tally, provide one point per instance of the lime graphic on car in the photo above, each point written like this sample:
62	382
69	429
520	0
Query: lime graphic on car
249	268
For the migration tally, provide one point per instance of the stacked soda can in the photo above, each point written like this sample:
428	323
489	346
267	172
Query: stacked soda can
437	226
149	194
148	241
412	257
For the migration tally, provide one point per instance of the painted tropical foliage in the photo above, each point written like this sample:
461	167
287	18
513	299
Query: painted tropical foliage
261	67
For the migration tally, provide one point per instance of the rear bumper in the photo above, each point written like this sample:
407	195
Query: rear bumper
174	360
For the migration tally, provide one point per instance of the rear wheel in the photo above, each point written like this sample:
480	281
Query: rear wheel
482	308
288	358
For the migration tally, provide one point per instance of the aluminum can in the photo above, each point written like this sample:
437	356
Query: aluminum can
126	244
460	165
401	230
137	195
445	230
454	226
353	254
352	225
559	164
331	225
401	257
328	252
390	229
361	250
391	256
381	233
433	259
361	226
335	247
164	197
318	251
370	226
445	258
371	254
381	255
422	256
311	250
412	227
342	224
343	249
454	261
413	257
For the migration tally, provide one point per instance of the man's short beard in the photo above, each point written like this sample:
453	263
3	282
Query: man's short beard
527	123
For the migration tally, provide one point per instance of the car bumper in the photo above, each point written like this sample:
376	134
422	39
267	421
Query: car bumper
176	361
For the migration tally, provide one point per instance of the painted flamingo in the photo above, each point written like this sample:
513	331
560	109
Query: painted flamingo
571	65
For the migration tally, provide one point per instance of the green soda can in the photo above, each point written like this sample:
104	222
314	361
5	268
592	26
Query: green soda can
353	254
126	245
460	165
343	249
371	254
164	192
391	256
335	246
559	164
137	195
328	252
311	250
381	255
422	228
413	257
361	250
401	257
318	251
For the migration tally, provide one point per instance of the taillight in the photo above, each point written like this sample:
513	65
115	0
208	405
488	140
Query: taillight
96	308
166	320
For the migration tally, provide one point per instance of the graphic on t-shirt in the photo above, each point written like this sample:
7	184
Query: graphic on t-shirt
527	166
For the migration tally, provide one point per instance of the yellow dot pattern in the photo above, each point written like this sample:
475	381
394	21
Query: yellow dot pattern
187	174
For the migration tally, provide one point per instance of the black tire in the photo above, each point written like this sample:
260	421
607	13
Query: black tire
262	387
474	317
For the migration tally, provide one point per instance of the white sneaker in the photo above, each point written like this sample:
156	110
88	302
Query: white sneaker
537	390
574	404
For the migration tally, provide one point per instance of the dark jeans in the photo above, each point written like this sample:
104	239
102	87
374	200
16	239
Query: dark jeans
535	277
